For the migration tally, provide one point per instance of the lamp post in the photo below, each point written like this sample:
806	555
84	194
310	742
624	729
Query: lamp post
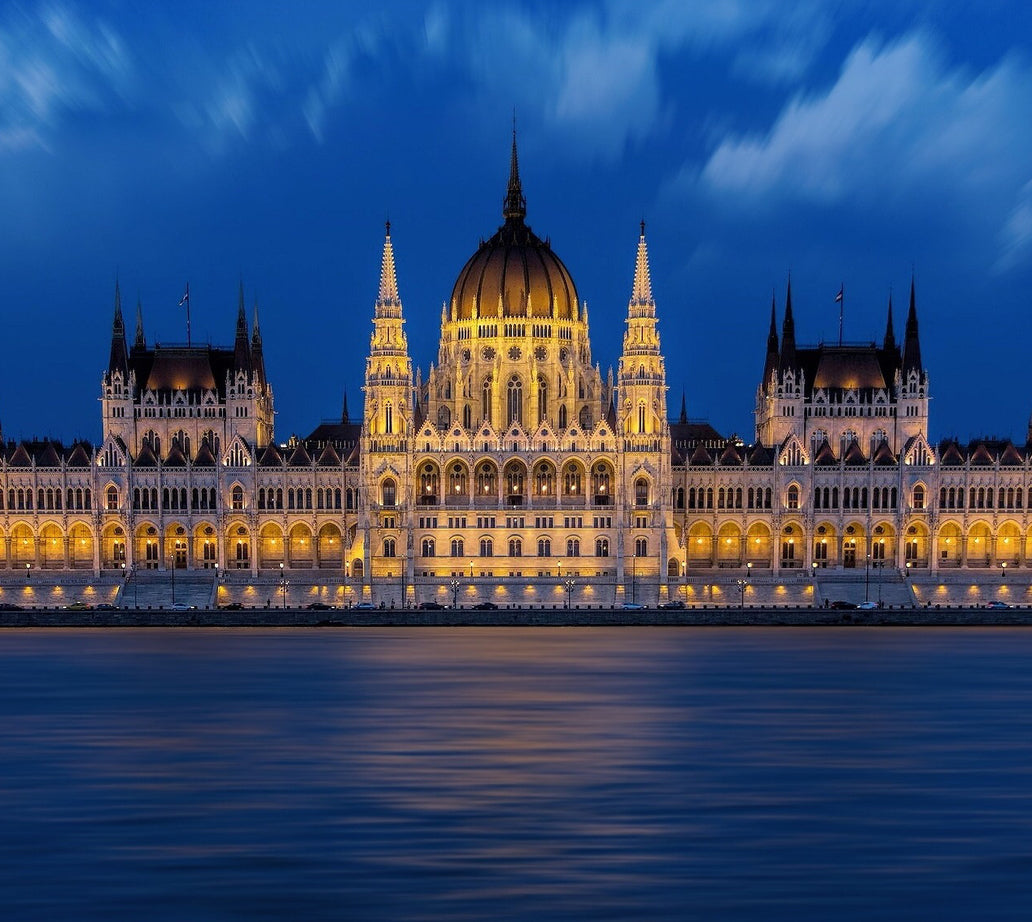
283	586
172	573
568	585
347	583
634	575
880	565
867	578
1003	570
28	571
742	583
455	584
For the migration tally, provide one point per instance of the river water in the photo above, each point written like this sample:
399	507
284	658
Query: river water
525	774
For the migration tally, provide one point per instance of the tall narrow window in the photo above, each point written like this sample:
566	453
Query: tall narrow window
514	401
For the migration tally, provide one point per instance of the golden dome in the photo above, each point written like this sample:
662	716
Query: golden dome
515	273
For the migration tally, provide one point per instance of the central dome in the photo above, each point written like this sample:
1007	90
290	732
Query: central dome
515	273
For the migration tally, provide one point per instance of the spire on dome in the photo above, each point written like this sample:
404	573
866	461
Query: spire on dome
890	336
388	296
515	207
642	293
119	360
140	342
911	342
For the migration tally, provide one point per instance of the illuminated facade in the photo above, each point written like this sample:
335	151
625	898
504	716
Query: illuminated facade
515	467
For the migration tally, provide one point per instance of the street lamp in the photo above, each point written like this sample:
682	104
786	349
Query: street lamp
867	578
568	585
1003	570
742	583
283	586
172	573
455	584
28	568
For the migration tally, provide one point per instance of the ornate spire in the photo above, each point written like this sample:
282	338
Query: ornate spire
773	349
788	353
389	296
241	351
344	408
515	207
119	353
889	344
684	410
140	342
642	293
257	356
911	342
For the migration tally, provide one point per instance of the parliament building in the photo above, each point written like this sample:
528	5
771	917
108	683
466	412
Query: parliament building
515	471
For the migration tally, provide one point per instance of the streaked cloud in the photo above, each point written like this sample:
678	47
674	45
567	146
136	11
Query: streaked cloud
897	123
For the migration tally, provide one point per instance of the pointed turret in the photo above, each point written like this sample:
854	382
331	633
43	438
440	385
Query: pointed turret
642	293
684	410
911	342
257	356
889	345
772	344
642	374
119	360
388	379
241	350
140	341
515	207
787	361
344	408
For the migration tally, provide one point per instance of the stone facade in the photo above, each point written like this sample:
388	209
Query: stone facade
515	466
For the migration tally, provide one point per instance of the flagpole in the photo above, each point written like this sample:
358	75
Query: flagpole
188	343
841	300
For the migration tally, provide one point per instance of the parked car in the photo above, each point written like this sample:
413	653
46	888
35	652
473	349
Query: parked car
485	606
672	605
431	606
365	606
78	606
105	606
866	606
632	606
319	606
233	606
996	603
842	604
181	606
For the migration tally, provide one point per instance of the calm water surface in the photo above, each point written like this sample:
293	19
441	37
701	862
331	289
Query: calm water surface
516	774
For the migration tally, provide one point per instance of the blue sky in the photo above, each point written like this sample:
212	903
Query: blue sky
846	143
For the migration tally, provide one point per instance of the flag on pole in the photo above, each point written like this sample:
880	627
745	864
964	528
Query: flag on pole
186	296
838	297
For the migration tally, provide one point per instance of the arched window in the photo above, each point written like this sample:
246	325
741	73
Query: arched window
679	498
237	497
544	547
485	400
793	497
456	547
486	547
919	497
641	492
573	547
388	418
514	401
428	547
467	416
601	547
641	417
641	547
112	499
562	416
515	547
388	547
457	481
542	396
389	492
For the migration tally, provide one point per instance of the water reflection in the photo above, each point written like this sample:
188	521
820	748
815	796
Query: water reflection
515	774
